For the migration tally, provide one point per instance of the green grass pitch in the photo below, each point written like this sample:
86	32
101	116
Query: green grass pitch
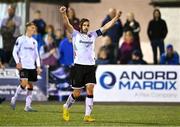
106	114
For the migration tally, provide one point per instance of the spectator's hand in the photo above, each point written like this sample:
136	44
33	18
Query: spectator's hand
62	9
52	51
19	66
39	70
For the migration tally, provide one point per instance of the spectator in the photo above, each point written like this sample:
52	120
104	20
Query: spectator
49	31
171	57
74	21
136	58
58	36
66	51
109	49
115	32
49	53
39	22
126	49
10	30
133	26
157	31
103	56
39	39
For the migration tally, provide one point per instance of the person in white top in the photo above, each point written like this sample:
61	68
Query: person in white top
83	72
27	60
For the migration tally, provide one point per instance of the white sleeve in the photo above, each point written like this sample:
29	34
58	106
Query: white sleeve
75	32
16	50
37	56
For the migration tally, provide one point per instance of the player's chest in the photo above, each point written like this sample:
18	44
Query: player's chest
28	45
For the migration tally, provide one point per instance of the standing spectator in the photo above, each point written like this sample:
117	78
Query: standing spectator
133	26
39	39
66	51
10	30
74	21
157	31
170	57
39	22
115	32
136	58
126	49
49	53
58	36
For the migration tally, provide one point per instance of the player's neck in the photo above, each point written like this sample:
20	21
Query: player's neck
28	34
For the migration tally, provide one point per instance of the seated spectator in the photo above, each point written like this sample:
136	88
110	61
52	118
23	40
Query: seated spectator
49	53
102	57
109	47
126	49
49	31
66	51
137	58
58	36
171	57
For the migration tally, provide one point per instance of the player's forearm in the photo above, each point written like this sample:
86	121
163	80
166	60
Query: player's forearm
109	24
67	23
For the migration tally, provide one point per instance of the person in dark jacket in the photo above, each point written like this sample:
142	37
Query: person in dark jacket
133	26
39	22
115	32
171	57
157	31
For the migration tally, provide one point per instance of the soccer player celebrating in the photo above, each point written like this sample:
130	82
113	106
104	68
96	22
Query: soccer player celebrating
27	60
84	62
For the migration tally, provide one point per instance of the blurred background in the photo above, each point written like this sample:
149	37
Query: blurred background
149	40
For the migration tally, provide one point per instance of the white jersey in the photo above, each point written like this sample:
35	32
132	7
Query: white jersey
83	45
25	52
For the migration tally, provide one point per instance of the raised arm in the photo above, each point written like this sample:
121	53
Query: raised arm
65	19
110	23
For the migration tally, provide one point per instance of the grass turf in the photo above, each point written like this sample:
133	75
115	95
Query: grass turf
50	114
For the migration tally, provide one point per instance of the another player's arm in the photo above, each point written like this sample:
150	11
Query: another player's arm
110	23
15	55
65	19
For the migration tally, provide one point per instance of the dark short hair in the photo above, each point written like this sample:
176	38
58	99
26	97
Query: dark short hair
169	46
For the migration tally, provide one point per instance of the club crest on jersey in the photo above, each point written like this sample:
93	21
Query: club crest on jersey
89	35
33	43
17	43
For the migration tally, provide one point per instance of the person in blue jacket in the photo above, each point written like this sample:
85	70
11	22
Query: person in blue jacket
171	57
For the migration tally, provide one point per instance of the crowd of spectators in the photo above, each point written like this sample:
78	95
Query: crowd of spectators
55	47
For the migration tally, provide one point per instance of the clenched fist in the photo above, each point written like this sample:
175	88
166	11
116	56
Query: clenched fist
62	9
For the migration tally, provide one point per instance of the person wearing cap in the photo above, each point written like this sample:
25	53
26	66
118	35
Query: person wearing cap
170	57
137	58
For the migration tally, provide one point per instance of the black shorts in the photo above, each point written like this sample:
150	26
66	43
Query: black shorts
82	74
30	74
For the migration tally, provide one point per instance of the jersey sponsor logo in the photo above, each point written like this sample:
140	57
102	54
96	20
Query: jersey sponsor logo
87	43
